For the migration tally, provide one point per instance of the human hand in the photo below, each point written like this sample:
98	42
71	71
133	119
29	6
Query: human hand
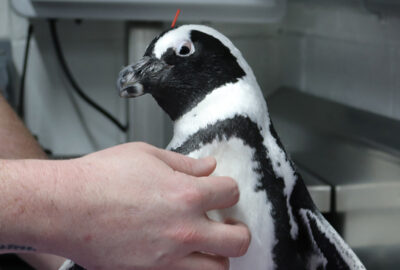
135	206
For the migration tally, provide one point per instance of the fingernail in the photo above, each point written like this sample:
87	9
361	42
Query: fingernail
206	163
210	161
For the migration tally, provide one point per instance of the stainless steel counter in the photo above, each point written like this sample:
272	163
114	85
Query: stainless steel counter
320	114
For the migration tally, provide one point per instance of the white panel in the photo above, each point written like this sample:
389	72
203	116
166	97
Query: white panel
372	228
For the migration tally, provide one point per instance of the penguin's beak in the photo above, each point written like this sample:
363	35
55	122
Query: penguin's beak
138	79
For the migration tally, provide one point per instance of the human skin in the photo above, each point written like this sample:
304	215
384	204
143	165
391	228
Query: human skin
132	206
16	142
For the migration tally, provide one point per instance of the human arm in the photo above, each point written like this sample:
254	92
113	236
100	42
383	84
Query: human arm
17	142
132	206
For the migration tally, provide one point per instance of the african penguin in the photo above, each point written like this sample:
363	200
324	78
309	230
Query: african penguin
201	80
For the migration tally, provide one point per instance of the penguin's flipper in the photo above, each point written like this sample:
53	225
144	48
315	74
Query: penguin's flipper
329	249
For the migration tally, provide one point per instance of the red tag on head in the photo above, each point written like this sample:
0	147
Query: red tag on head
176	17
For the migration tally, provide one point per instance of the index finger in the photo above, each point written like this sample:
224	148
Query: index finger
185	164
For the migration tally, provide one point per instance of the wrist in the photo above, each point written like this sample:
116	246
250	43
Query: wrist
29	205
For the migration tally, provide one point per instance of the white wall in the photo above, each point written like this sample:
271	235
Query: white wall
341	51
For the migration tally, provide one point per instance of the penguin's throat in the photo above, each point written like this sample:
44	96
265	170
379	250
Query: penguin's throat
179	102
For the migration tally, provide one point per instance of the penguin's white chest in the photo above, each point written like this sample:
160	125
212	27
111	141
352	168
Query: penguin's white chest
235	159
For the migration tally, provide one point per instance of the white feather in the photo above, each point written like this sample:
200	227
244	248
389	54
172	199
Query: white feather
234	159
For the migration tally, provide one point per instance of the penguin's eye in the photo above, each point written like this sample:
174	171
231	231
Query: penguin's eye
186	48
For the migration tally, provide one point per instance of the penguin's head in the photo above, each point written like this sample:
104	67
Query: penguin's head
181	66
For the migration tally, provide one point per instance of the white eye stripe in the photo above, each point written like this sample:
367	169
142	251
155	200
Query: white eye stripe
171	39
185	48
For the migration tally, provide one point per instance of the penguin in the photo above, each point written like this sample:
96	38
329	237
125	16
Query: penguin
201	80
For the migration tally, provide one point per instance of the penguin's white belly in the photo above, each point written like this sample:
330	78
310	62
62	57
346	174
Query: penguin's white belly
235	159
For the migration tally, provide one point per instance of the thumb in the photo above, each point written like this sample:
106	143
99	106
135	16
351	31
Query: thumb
187	165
